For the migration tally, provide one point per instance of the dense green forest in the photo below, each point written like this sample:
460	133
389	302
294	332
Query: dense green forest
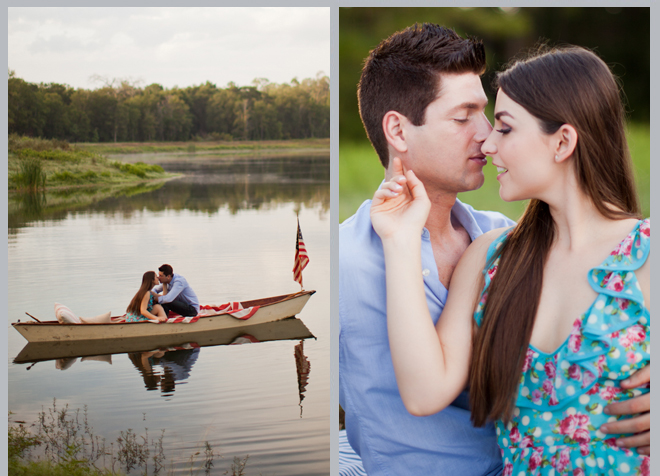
122	112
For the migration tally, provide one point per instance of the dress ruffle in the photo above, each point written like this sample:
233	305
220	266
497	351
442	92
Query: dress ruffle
550	382
601	458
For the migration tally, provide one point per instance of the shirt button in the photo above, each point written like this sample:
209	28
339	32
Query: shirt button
426	272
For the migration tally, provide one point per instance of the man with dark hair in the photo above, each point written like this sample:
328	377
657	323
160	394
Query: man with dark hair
177	295
421	100
401	75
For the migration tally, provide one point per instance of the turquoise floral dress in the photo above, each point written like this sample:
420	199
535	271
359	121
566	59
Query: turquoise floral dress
130	317
559	407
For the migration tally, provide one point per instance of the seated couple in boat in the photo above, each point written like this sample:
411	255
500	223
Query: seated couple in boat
159	294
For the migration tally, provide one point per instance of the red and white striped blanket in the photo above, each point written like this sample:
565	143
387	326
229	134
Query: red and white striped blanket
234	309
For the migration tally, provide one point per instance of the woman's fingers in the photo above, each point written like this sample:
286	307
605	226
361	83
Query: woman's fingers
394	186
390	189
397	166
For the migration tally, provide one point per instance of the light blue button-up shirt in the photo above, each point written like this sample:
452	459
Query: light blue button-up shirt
178	290
390	440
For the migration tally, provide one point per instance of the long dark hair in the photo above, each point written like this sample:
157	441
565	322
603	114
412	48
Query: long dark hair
147	283
569	85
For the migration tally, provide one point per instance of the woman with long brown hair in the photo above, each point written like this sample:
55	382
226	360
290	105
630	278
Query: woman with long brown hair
142	307
515	327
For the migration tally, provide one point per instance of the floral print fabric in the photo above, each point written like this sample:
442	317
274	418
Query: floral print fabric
559	407
130	317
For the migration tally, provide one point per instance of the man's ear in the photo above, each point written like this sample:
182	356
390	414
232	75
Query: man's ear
567	141
394	125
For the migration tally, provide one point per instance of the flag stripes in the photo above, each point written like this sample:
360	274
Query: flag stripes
301	259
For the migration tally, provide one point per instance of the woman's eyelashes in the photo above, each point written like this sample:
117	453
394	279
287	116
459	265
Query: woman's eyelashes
504	129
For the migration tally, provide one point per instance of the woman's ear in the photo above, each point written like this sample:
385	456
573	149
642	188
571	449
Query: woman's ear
567	141
394	125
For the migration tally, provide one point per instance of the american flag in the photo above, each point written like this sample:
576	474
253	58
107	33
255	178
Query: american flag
301	257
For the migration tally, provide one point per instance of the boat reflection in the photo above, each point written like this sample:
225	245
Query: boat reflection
164	362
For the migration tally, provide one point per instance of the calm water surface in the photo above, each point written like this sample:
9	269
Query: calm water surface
229	227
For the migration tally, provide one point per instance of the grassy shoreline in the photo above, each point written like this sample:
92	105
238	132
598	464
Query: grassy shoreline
42	164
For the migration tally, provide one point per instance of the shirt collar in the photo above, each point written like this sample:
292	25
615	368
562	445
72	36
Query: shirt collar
465	217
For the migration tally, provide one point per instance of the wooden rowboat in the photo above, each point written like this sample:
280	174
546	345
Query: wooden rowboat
286	329
270	309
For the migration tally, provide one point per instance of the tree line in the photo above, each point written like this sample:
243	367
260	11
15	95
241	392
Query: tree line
120	111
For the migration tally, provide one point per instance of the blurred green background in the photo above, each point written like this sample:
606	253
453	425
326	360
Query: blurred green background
621	36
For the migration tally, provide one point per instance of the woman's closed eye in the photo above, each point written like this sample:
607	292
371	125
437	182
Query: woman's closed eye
504	129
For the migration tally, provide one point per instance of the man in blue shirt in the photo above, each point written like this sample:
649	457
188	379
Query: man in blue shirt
178	296
421	100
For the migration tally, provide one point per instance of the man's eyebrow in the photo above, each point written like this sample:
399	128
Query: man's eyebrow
466	105
503	113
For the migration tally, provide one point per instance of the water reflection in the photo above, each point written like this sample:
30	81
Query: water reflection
65	363
209	184
29	207
31	204
163	369
302	369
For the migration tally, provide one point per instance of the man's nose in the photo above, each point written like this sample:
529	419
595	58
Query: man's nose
484	129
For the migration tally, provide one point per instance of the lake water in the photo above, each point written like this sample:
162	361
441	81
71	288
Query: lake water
229	227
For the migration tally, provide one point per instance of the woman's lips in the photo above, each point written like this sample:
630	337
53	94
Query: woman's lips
500	171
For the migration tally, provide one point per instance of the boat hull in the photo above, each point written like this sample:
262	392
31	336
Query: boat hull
287	329
270	310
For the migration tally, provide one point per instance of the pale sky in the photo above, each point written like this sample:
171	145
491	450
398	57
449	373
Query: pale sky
170	46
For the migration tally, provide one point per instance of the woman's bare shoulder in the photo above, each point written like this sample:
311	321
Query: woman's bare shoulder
481	243
475	255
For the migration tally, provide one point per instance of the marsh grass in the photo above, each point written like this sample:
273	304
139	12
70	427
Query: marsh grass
139	169
31	175
238	466
62	442
55	155
17	142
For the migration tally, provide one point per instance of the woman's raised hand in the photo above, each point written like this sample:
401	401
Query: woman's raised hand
401	205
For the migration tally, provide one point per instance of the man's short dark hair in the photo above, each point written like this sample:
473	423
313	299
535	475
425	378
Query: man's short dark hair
166	269
402	74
